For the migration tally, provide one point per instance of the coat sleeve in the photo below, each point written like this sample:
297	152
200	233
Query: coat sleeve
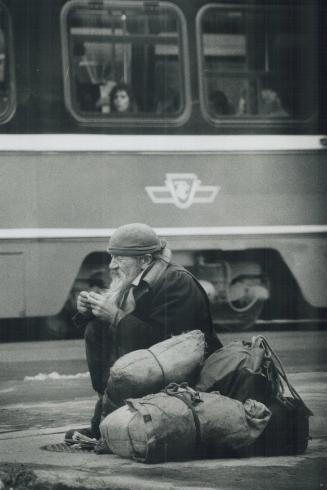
177	306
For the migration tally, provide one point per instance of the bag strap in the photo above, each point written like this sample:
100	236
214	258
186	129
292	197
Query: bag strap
273	375
190	397
260	340
164	381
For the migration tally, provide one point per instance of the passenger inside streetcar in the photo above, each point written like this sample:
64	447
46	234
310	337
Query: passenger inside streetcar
265	102
219	104
103	103
122	99
87	91
270	103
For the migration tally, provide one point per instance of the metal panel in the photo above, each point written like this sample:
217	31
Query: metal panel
12	280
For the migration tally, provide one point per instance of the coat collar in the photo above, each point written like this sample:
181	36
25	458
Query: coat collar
153	274
145	281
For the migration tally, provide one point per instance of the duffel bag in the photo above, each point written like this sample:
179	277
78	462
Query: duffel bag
287	432
244	370
146	371
180	423
241	370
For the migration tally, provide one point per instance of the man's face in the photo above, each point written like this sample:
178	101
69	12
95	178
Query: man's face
124	270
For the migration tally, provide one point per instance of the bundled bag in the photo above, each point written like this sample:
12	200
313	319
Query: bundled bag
180	423
241	370
145	371
244	370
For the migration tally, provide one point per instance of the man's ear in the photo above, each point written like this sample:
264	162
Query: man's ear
146	260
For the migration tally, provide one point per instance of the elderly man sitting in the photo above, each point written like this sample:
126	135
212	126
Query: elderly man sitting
149	300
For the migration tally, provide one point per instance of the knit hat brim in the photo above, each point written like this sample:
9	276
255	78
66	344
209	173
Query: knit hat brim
135	239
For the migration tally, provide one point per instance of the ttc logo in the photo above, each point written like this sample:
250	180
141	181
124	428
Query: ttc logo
182	190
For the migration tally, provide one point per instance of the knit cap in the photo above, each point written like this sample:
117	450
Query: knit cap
135	239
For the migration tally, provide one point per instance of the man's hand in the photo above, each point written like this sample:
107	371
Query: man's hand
83	305
103	306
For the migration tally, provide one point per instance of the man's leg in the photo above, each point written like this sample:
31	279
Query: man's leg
98	346
96	418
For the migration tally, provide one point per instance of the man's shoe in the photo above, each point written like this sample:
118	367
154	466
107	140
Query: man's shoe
102	447
73	436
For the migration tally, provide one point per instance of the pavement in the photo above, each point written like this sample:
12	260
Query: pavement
25	464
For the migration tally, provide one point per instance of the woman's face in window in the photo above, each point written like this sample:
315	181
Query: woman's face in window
121	101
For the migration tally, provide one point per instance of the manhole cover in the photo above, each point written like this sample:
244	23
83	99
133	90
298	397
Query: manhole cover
61	447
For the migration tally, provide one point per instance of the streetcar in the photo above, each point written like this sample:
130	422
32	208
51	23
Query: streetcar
223	151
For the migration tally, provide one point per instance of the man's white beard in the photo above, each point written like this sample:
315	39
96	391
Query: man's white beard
118	282
118	286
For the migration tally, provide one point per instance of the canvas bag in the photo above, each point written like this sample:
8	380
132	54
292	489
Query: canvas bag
146	371
241	370
253	370
180	423
287	432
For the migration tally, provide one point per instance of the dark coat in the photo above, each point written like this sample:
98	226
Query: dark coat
169	301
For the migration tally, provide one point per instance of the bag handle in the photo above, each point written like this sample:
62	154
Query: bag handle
261	341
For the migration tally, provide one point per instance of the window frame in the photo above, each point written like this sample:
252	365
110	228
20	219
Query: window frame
142	120
7	115
234	120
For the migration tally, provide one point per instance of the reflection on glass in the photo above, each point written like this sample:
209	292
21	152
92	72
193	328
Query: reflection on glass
259	63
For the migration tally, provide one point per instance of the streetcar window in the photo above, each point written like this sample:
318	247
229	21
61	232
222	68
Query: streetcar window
258	63
7	82
125	62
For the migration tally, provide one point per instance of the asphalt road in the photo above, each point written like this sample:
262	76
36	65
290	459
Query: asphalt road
46	384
